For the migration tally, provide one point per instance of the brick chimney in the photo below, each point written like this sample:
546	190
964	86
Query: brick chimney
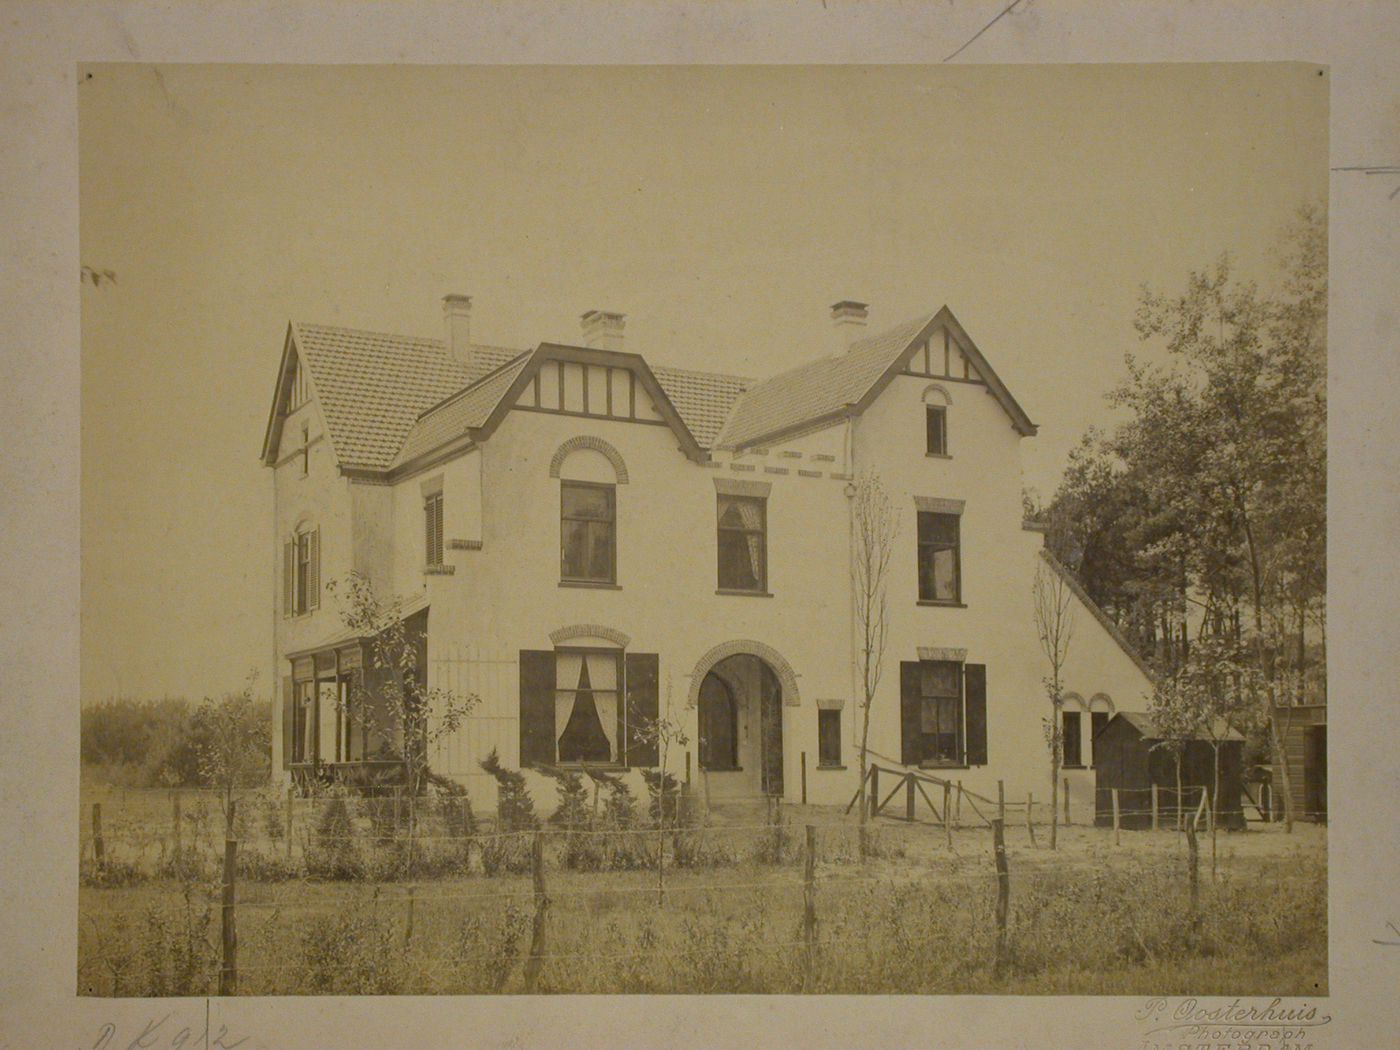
603	330
849	318
457	326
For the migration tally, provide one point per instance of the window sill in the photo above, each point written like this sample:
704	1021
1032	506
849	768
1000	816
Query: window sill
750	594
832	766
591	585
937	455
944	765
942	605
1069	767
722	769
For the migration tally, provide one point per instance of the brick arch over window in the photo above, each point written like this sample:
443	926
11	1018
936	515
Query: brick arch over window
936	394
1074	702
1101	702
589	630
598	445
787	677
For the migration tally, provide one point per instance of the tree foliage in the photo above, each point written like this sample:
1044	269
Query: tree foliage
1203	515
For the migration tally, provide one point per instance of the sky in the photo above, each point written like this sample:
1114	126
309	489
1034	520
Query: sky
722	209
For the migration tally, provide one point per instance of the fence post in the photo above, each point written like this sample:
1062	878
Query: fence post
1003	892
1114	792
909	797
537	934
1030	824
1067	820
1001	802
874	791
408	925
804	778
291	797
809	909
947	814
687	768
1154	808
99	850
228	971
1210	811
957	811
1193	860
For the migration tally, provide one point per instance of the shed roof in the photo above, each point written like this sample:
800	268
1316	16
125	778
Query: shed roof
1142	722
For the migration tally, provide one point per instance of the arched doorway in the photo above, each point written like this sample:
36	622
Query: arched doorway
740	703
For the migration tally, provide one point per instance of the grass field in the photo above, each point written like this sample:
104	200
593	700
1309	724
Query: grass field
1091	917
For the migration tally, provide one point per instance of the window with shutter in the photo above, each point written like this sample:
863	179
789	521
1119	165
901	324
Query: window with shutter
537	707
289	555
432	528
313	575
975	686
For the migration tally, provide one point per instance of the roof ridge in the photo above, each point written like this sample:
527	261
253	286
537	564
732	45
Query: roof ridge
428	339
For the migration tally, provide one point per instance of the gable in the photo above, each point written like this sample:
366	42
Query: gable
846	384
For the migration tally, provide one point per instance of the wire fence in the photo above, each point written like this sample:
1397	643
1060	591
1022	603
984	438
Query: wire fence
344	895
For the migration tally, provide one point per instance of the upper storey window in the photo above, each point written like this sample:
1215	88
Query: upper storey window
301	572
940	558
743	543
936	429
588	532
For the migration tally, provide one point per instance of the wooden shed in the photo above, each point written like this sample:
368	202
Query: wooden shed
1303	730
1126	759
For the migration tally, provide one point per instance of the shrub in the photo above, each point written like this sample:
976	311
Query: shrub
515	810
332	854
356	951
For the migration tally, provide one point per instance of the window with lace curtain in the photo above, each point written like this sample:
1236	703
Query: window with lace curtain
743	543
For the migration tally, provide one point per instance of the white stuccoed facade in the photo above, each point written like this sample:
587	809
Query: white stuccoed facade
500	466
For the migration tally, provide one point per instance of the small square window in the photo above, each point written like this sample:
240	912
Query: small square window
936	427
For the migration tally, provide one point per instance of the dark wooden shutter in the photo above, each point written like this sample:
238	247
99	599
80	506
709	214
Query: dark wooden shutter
910	697
289	568
288	719
643	708
536	707
975	685
313	572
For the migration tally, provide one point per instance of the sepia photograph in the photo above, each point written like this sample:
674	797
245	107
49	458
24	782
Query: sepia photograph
728	529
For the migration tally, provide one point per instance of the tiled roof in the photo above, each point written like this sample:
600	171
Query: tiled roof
816	389
371	387
460	412
703	399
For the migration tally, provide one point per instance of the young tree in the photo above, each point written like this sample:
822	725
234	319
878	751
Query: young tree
1052	602
233	744
663	731
874	529
392	698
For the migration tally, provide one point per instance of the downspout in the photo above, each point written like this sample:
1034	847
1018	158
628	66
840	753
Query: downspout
848	457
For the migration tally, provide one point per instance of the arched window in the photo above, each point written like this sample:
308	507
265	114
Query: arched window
589	470
936	403
1100	711
1072	731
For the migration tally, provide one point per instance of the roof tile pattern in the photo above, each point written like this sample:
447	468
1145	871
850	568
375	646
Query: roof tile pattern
703	399
812	390
371	387
459	413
